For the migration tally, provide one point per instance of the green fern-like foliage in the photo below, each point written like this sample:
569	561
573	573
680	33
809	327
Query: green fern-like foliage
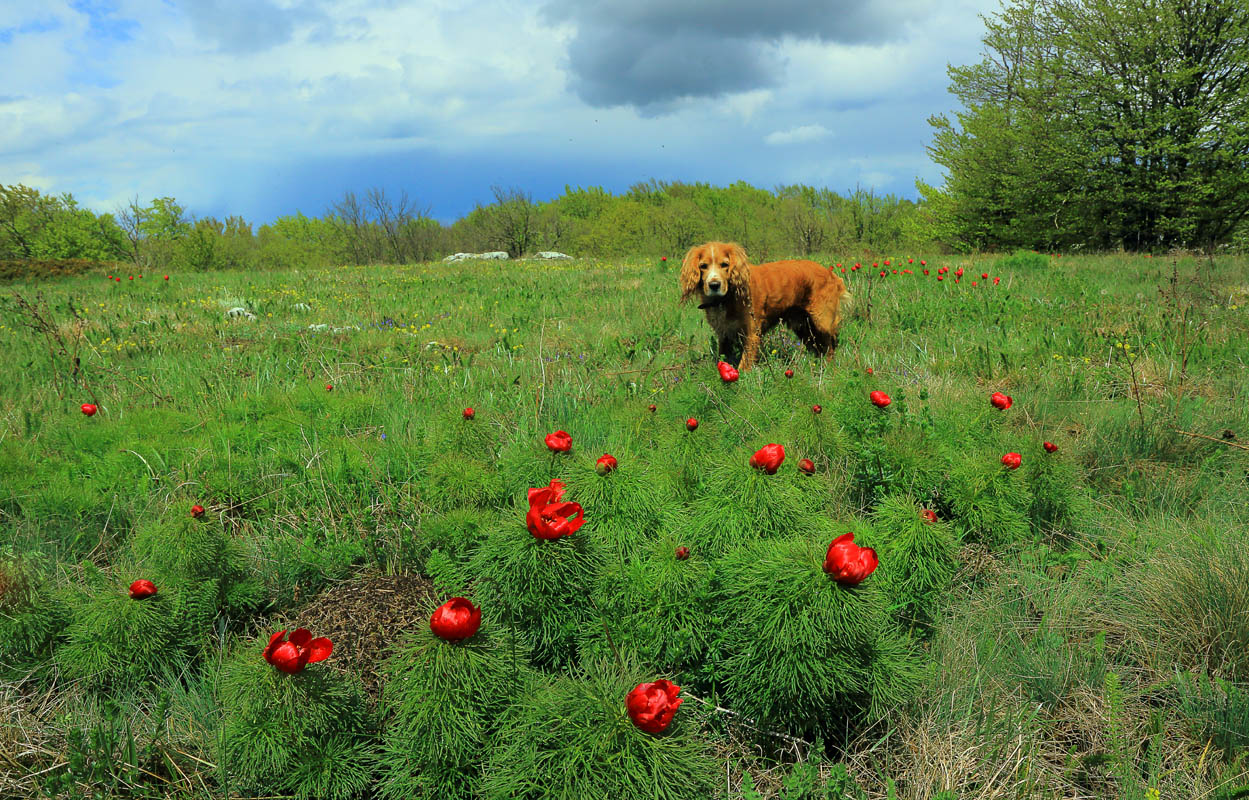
572	738
989	503
1059	503
455	533
918	558
538	585
305	734
115	642
627	505
808	653
657	609
741	505
31	615
440	705
457	481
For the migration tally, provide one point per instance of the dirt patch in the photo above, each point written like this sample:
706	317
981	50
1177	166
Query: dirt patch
365	616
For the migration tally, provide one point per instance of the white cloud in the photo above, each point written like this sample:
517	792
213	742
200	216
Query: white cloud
802	134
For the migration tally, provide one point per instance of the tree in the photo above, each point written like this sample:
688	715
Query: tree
1106	123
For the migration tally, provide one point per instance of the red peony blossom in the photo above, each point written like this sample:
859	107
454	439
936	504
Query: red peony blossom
651	705
925	272
882	273
879	398
940	277
817	408
166	277
768	458
871	371
984	275
455	620
293	655
548	518
996	281
1001	401
958	273
605	464
806	466
789	373
559	442
1012	460
691	424
329	387
142	588
848	563
683	553
469	413
651	408
910	261
728	373
197	510
1050	447
663	258
89	409
929	515
923	264
886	262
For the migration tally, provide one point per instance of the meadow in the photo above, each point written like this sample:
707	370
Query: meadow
1076	627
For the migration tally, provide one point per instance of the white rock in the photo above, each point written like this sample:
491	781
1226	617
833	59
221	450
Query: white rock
497	255
554	256
458	257
301	307
239	311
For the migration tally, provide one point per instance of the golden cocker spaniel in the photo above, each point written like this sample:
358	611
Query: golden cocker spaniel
744	302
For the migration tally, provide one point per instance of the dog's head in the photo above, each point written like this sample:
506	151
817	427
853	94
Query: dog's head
717	270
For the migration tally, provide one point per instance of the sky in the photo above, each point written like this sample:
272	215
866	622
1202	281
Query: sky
267	107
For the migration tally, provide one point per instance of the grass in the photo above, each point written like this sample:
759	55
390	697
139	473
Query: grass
1079	623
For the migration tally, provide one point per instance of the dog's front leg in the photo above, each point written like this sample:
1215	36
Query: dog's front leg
730	346
750	353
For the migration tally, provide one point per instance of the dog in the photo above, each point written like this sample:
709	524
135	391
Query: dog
744	302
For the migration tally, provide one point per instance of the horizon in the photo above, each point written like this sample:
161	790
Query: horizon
276	107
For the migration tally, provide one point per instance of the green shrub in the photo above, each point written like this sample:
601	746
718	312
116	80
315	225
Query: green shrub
536	584
626	504
741	504
988	502
1059	502
572	738
806	653
918	558
305	734
31	614
1021	261
440	705
1216	710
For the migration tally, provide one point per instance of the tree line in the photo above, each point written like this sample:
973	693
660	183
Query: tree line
653	218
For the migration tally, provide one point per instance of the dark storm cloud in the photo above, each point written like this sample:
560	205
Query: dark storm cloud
648	53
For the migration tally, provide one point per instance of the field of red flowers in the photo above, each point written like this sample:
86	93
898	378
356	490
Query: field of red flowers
513	531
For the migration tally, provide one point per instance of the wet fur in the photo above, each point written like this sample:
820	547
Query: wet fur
806	296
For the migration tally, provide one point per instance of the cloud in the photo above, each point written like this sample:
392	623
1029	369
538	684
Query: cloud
649	53
242	26
799	135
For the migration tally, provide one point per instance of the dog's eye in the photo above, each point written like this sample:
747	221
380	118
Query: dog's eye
702	266
724	263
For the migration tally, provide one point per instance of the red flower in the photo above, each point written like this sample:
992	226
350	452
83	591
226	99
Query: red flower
329	387
996	280
817	408
166	277
879	398
455	619
929	515
728	373
1001	401
550	519
1050	447
925	272
293	655
1012	460
197	510
142	588
848	563
789	373
559	442
940	277
882	273
806	466
663	258
871	371
984	275
958	273
651	705
886	262
605	464
683	553
651	408
691	424
88	409
923	264
910	261
469	413
768	458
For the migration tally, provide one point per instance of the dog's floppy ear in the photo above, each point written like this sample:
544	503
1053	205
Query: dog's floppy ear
739	269
691	275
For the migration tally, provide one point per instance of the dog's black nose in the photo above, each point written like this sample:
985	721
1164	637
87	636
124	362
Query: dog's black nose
713	285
